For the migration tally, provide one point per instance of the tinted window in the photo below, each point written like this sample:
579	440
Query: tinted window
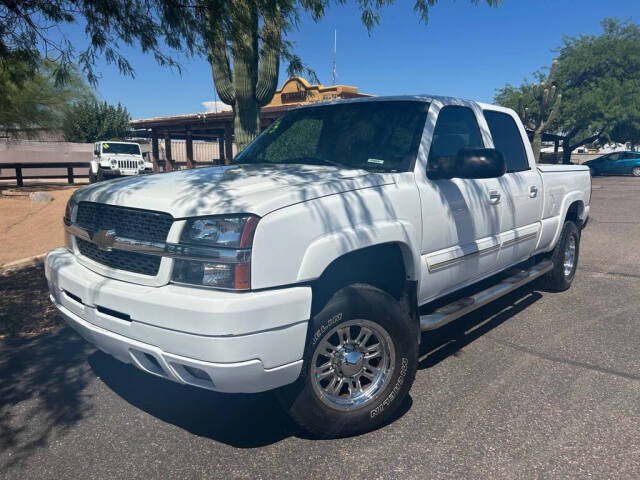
456	128
124	148
507	139
381	135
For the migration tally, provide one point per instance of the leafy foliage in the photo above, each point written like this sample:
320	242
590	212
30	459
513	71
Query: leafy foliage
31	99
90	121
26	32
599	79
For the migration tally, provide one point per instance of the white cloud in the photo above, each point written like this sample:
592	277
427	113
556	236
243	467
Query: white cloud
215	106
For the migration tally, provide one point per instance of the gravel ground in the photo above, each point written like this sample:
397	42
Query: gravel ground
28	228
537	385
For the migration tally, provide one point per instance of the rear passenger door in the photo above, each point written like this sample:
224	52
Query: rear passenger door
522	187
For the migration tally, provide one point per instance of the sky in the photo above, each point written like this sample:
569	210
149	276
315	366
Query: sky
464	51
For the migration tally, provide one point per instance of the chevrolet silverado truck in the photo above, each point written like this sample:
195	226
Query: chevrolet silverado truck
317	261
117	159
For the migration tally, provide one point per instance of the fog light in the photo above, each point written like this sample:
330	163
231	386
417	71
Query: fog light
197	372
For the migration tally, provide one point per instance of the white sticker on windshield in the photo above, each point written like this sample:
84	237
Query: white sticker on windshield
376	161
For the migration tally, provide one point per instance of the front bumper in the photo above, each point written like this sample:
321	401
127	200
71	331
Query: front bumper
223	341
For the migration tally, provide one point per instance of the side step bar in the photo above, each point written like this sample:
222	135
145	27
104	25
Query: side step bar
460	307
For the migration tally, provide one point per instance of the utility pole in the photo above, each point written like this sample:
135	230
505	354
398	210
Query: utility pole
335	48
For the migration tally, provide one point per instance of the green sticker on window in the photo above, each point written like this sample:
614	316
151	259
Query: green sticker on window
105	146
377	161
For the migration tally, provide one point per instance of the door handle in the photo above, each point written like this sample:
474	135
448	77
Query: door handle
494	196
533	191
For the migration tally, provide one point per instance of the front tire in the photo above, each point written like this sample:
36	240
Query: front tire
564	258
359	363
635	171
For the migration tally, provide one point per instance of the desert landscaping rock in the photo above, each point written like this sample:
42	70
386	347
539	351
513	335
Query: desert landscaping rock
40	197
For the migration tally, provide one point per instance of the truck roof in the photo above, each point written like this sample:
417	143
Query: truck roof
426	98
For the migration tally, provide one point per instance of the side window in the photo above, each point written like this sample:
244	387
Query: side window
456	128
507	139
614	157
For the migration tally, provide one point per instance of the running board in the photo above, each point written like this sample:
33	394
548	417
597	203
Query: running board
458	308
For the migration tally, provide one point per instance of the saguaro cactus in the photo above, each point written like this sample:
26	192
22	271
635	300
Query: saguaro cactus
548	100
234	30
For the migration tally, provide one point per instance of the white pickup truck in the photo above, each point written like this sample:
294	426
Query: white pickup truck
312	263
116	159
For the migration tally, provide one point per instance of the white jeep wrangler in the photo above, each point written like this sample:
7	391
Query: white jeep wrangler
115	159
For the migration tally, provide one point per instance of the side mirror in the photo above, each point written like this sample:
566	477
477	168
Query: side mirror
468	163
480	163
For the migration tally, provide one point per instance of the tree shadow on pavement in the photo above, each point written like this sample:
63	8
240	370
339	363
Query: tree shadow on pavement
239	420
440	344
41	391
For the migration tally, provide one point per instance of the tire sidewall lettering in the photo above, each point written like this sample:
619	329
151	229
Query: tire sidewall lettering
326	327
404	364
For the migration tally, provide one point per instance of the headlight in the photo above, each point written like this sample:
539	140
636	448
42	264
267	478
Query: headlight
69	213
215	275
114	163
231	232
228	240
141	163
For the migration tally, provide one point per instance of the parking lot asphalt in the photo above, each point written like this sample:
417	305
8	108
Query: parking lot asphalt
537	385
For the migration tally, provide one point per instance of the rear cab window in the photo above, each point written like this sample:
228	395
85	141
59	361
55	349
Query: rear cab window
507	139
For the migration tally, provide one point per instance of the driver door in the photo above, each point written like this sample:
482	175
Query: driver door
460	217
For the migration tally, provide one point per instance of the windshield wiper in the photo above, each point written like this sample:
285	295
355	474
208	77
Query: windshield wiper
318	160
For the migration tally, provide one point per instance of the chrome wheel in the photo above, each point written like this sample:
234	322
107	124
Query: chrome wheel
636	171
352	364
570	256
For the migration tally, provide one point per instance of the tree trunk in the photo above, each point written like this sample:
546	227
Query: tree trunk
566	151
536	145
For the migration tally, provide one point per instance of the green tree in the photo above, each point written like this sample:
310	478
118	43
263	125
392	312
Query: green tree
246	39
150	25
599	80
89	121
599	77
31	100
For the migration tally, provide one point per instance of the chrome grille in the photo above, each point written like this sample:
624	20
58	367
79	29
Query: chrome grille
119	259
128	164
145	225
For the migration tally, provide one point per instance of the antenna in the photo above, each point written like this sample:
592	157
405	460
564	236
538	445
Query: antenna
335	49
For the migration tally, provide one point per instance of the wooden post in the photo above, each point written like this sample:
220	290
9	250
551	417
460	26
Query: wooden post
70	174
189	145
221	150
155	151
19	176
228	143
169	166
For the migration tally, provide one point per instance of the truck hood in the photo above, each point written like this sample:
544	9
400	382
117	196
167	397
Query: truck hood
257	189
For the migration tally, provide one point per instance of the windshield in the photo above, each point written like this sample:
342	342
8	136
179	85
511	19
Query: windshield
381	135
125	148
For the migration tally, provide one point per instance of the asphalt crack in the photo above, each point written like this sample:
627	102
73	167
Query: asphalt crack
565	361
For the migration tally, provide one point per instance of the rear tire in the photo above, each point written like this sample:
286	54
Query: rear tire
635	171
564	258
359	363
92	177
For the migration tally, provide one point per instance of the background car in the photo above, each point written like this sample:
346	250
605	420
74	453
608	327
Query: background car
617	163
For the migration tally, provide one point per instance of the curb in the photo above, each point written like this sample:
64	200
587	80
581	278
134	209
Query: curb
23	262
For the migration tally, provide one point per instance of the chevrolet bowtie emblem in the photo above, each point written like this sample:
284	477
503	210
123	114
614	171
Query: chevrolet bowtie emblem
104	239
